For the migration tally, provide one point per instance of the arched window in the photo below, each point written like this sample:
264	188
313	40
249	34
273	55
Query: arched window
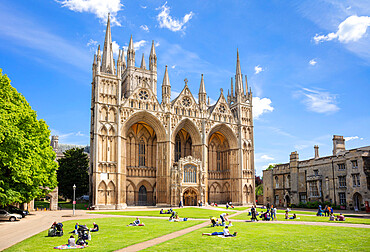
288	181
141	153
218	160
177	148
190	174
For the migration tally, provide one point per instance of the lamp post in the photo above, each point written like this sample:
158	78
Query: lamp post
74	198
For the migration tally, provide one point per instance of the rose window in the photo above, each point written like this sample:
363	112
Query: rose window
143	95
186	102
222	109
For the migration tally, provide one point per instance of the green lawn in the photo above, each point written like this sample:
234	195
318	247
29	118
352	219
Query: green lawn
236	208
272	237
113	234
188	212
61	204
281	217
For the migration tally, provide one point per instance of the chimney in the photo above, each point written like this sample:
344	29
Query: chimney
54	142
316	147
338	144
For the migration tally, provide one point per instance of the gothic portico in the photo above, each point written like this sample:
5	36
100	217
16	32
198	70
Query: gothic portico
146	152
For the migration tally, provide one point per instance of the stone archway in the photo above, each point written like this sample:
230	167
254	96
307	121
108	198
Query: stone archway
357	201
287	201
142	196
190	197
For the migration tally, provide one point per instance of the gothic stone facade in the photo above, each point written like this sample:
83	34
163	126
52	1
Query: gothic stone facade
342	179
148	153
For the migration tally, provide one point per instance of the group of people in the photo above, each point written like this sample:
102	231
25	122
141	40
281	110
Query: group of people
169	211
224	233
220	222
270	213
327	211
229	204
339	217
83	233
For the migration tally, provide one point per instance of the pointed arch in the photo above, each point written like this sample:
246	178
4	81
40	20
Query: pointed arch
148	118
191	128
102	188
227	132
111	193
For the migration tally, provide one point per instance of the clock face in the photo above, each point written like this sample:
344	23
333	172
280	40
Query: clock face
186	101
222	109
143	95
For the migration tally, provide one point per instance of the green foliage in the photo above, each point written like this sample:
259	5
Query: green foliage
259	190
73	170
27	166
271	166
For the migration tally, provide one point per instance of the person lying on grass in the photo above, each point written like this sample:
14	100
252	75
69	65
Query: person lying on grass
95	228
136	223
225	233
177	218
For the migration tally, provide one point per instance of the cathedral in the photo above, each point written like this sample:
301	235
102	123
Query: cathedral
146	152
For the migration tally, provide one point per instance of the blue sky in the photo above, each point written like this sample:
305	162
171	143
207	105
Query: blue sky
308	62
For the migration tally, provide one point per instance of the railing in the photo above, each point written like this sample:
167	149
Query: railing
225	174
141	171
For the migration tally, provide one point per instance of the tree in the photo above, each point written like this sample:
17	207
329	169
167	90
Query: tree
258	180
259	190
27	166
271	166
73	170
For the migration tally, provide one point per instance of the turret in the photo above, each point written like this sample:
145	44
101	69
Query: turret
123	60
166	88
153	59
131	54
119	65
143	65
202	95
107	64
98	59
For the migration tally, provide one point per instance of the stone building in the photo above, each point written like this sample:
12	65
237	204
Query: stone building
146	152
342	178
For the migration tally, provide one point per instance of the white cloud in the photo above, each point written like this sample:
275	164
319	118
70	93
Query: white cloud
352	138
258	69
173	67
144	7
157	44
313	62
98	7
92	45
144	27
350	30
266	157
261	106
115	48
166	21
319	101
137	45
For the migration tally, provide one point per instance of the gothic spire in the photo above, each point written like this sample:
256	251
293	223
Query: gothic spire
123	58
153	59
107	59
143	65
166	88
238	77
202	89
131	54
166	80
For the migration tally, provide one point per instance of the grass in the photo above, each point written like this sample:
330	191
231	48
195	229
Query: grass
188	212
236	208
113	234
61	204
272	237
280	217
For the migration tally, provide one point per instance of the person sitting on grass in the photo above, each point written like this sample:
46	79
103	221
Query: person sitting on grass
331	217
340	218
173	215
71	241
223	218
135	223
214	221
293	217
286	214
227	205
95	228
